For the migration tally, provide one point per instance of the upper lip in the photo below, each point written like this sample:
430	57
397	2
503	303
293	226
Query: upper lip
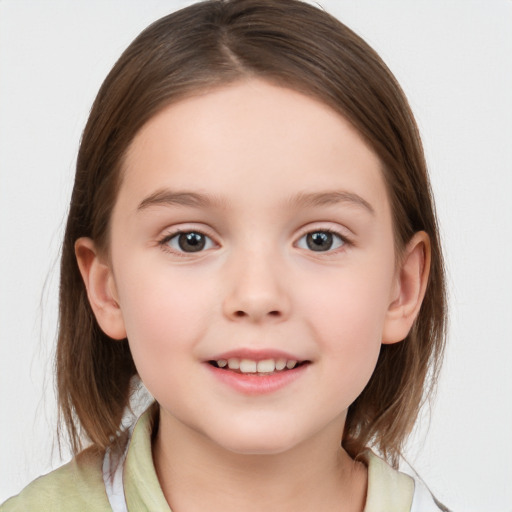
256	355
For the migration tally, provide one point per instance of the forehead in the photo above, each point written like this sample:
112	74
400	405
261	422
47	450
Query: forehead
251	141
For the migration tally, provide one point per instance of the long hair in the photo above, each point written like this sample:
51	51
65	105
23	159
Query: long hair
214	43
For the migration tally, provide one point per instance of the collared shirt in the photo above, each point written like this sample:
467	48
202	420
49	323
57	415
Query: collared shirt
93	482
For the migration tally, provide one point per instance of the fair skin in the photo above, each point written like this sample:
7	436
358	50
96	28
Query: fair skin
289	259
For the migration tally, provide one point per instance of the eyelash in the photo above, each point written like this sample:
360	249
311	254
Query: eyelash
344	241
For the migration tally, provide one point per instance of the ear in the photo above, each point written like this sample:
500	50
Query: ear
101	289
410	286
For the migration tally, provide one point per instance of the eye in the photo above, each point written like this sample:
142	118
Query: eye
188	241
321	241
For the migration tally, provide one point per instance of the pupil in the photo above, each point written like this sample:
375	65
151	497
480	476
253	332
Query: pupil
319	241
191	242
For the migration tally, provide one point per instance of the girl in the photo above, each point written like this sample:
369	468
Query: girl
252	235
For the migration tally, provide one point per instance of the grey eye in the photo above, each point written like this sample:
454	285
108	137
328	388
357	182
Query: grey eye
190	241
320	241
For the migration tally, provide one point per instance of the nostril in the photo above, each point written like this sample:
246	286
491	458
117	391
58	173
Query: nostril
242	314
255	312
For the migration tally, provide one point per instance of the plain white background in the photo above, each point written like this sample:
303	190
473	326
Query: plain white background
453	61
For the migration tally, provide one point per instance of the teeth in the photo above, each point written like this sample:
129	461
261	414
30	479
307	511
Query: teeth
251	366
280	364
266	366
247	366
233	363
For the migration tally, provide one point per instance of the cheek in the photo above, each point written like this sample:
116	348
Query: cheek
164	312
351	305
347	318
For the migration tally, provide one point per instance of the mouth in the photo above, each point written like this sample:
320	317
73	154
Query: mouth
257	372
262	367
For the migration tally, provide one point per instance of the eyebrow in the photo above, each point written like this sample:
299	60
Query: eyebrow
166	197
331	198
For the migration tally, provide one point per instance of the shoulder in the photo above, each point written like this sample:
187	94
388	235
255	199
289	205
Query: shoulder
76	486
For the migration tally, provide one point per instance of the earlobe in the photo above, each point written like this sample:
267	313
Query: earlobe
412	279
101	290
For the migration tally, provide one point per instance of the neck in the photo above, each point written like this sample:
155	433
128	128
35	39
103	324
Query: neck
196	475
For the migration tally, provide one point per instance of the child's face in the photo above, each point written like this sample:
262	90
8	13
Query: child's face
253	223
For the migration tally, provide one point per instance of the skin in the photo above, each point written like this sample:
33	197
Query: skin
255	151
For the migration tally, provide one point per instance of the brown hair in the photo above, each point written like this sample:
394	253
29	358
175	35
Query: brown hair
214	43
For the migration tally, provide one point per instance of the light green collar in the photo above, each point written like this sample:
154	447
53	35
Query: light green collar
388	489
141	487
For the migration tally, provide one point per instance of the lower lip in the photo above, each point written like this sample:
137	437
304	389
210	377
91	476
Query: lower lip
251	384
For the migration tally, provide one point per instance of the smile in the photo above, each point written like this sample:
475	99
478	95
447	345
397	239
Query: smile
261	367
257	372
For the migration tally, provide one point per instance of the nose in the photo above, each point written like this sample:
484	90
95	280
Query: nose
256	289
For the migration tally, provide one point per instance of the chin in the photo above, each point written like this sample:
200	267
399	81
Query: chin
259	441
